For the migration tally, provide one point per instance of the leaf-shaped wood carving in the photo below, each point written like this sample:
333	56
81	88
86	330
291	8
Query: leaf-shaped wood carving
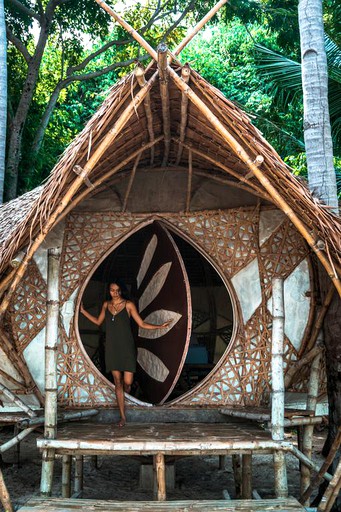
159	317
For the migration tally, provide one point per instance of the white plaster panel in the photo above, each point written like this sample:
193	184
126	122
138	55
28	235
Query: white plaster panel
269	221
68	310
53	239
152	364
159	317
34	355
155	286
147	258
247	286
296	303
7	366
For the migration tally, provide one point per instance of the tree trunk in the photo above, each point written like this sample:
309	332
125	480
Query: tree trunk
322	179
18	123
316	124
3	96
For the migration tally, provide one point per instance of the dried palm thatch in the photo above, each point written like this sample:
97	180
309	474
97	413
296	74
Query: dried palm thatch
142	132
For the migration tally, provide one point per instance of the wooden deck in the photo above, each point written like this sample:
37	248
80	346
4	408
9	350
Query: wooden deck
168	438
69	505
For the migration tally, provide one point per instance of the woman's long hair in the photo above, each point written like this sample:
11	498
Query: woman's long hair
123	288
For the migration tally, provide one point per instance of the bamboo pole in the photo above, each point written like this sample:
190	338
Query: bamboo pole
246	476
20	365
78	487
66	476
254	167
307	441
16	400
198	27
128	28
320	318
51	388
19	385
189	181
66	416
130	183
308	462
90	164
16	439
4	495
331	492
277	380
185	74
319	477
296	366
160	470
140	77
162	52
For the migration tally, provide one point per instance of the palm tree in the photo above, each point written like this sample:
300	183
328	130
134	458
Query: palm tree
3	96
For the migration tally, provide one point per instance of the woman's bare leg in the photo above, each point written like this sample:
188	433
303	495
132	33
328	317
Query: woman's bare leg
118	380
128	378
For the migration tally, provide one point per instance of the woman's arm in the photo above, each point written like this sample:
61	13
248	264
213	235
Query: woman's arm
97	321
131	308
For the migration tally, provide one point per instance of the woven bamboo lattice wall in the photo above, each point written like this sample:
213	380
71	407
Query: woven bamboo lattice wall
236	241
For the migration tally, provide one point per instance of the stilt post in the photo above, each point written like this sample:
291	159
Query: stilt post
277	379
51	339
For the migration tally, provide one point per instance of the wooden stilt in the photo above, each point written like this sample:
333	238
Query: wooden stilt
159	468
4	495
66	476
78	474
51	339
222	461
236	466
308	431
246	476
277	383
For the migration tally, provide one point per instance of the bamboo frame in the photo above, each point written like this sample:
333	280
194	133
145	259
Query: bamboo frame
185	75
66	416
140	77
277	347
78	483
254	167
106	142
162	52
331	492
16	439
20	366
160	473
320	318
16	400
297	365
66	476
246	476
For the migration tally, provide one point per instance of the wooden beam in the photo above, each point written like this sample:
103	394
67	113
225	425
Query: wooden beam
189	181
254	166
130	184
16	400
185	74
90	164
198	27
140	77
162	51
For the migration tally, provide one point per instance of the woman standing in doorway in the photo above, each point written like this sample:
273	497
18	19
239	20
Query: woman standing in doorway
120	350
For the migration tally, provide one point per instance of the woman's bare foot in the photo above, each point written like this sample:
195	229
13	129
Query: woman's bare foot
122	422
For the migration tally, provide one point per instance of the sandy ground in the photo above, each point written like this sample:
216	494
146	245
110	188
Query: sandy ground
117	478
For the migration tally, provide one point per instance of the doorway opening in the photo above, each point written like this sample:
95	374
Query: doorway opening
211	314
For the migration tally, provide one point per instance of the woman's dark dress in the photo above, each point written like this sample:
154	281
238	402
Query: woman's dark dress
120	350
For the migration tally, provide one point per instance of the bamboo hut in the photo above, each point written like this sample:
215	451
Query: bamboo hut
172	188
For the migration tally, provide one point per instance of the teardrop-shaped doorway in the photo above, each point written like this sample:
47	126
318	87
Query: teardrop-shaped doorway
164	274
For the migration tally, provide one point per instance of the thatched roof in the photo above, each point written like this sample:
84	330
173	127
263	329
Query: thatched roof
22	219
